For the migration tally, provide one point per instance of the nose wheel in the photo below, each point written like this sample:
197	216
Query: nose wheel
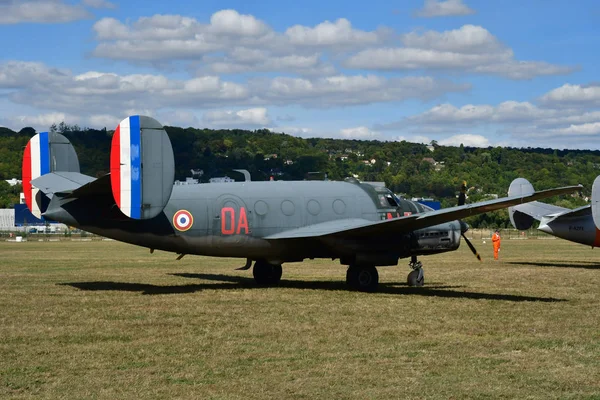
416	277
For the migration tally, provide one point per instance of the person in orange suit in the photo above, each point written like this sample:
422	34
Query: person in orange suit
496	243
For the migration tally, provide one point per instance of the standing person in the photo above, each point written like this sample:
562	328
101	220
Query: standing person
496	243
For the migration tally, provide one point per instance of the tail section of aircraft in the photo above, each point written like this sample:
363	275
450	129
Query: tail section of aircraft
519	220
142	167
596	202
45	153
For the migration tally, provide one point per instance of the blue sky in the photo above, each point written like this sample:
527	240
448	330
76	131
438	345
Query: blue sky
481	73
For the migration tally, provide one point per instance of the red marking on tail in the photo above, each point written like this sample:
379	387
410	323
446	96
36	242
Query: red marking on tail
115	166
26	176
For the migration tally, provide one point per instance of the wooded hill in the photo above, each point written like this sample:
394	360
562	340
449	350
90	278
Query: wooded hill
415	170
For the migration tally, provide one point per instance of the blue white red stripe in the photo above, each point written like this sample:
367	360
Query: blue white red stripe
126	171
36	162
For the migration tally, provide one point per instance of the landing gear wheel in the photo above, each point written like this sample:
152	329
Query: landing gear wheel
416	278
362	278
266	274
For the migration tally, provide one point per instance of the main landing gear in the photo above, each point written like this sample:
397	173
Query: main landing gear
363	278
416	277
266	274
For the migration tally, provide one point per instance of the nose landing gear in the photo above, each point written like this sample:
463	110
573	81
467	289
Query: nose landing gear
416	277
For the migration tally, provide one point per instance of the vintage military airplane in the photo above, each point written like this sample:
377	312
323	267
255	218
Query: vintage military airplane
266	222
580	225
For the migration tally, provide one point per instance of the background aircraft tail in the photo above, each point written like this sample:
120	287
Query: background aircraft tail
596	201
520	220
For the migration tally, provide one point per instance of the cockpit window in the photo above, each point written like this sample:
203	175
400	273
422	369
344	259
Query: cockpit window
391	200
387	200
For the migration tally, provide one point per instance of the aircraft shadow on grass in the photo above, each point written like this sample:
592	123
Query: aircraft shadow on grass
237	282
578	264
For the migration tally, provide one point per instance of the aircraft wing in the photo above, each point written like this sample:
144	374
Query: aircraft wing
538	210
356	228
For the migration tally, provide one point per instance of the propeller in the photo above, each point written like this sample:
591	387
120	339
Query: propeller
464	227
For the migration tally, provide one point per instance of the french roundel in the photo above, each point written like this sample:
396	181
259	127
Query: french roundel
183	220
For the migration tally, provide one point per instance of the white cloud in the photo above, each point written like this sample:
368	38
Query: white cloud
351	90
573	95
99	4
581	130
466	39
42	122
470	48
524	69
329	33
232	22
40	11
359	132
250	117
246	60
441	8
232	43
466	140
51	89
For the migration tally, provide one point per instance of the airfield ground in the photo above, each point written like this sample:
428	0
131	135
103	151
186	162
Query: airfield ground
107	320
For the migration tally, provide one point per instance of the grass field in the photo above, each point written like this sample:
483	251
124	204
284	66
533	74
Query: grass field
107	320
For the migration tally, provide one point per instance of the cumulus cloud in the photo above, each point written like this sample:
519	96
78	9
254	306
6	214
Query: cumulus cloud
351	90
232	43
573	95
51	89
466	140
469	48
466	39
256	117
43	121
234	23
447	8
359	132
564	123
338	33
40	11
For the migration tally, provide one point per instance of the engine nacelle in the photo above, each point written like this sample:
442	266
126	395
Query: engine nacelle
142	167
437	239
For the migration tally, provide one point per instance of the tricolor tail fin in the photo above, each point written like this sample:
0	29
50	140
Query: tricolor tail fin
142	167
45	152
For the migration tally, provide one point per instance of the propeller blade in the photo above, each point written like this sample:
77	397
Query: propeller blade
471	247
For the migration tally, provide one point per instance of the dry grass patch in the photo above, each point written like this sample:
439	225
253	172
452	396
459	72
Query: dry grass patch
109	320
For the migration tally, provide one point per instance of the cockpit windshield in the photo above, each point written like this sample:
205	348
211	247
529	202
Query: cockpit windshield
387	198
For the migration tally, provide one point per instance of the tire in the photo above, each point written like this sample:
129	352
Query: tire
266	274
362	278
413	279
